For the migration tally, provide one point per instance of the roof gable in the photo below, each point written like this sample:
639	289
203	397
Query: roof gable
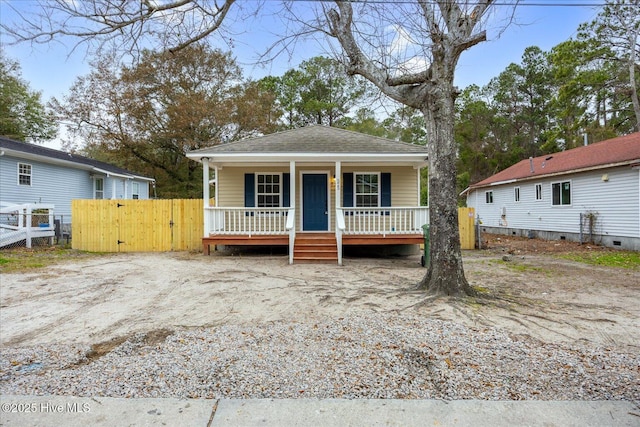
617	151
314	139
49	153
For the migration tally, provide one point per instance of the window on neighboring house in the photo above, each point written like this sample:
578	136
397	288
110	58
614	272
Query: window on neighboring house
488	197
99	188
268	190
516	194
538	191
24	174
367	190
561	193
135	190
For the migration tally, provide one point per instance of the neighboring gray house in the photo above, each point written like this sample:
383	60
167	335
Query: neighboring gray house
31	173
591	192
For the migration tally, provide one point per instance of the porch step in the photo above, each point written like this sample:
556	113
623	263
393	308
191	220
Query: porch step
315	247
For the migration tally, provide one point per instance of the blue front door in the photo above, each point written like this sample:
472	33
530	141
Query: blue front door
315	213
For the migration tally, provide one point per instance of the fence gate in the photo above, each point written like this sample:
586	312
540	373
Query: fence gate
137	225
466	222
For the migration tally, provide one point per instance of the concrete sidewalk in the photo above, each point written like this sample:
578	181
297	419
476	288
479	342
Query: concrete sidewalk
62	411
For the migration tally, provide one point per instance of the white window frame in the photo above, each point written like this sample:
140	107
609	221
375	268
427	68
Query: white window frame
95	188
516	194
355	187
135	190
560	183
488	197
257	194
538	189
24	173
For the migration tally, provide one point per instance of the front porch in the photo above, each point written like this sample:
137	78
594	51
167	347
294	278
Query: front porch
313	190
242	226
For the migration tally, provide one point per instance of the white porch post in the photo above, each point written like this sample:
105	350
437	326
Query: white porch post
338	183
205	194
215	197
419	169
292	184
338	172
292	207
113	188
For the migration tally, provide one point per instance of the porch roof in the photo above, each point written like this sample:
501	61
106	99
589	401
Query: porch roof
314	143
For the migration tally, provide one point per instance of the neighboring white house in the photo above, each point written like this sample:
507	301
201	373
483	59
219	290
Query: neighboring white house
32	174
587	193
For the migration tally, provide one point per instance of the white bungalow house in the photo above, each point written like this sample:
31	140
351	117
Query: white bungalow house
589	193
314	189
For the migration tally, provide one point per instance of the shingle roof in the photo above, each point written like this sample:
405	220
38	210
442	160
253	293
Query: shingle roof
617	151
50	153
315	139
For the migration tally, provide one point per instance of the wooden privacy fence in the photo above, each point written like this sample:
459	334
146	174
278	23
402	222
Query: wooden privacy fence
137	225
466	224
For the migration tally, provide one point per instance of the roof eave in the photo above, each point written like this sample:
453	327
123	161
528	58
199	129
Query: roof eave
551	175
122	175
70	163
309	157
45	159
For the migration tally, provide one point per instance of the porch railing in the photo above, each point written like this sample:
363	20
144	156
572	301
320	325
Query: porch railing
25	222
382	221
247	221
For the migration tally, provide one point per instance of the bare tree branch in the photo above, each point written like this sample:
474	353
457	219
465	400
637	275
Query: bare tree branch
340	25
128	25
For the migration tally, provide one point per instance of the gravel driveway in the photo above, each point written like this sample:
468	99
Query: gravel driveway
186	325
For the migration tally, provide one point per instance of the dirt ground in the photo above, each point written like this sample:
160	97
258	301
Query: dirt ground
110	297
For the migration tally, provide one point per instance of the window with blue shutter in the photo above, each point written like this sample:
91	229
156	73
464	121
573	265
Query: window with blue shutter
366	190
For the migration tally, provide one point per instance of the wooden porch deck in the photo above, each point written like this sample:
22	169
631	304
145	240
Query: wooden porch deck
243	240
310	247
380	239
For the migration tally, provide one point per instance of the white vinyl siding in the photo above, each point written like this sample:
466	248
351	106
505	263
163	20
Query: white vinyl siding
616	202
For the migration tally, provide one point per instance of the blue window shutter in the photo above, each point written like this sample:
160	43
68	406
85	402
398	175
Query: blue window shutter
249	190
385	191
385	195
347	190
286	190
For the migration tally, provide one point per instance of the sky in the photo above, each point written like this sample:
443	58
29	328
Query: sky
51	69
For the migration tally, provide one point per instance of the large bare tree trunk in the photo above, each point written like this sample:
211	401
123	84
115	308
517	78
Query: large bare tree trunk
445	273
446	28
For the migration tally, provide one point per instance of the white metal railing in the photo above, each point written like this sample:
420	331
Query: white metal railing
248	221
383	220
